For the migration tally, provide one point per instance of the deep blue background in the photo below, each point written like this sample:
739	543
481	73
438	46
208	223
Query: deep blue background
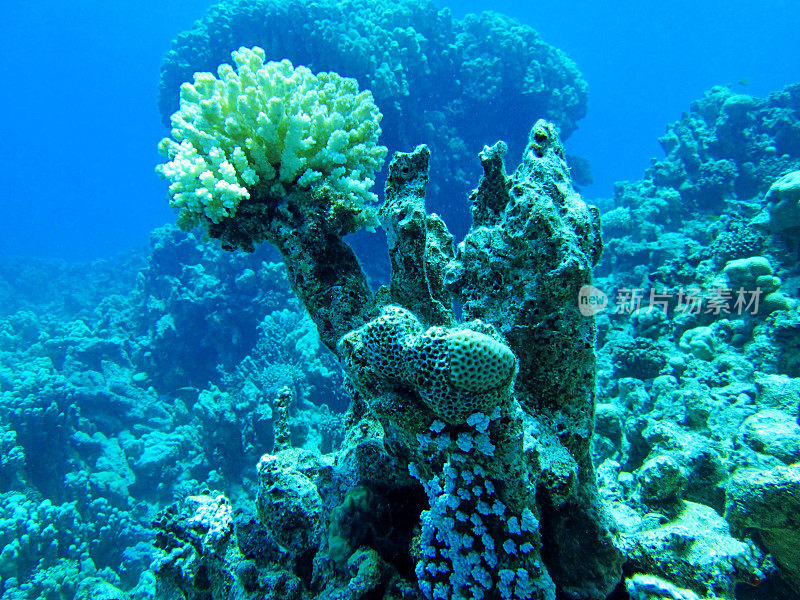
79	124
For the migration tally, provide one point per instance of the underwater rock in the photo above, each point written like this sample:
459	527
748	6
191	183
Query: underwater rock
420	247
776	343
783	198
289	497
508	213
695	550
532	295
319	530
779	391
661	480
774	433
609	427
700	342
640	358
485	478
769	501
650	322
648	587
201	557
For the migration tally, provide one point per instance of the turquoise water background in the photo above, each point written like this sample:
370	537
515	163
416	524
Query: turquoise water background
79	122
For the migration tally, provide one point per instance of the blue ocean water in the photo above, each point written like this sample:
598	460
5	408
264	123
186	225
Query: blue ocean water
80	121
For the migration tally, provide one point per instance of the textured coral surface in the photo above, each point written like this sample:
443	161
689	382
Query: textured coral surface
189	421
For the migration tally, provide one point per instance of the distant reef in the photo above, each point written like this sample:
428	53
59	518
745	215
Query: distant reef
452	84
127	383
697	440
706	202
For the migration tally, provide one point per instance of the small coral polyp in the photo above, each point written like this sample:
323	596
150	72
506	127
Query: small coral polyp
455	372
269	129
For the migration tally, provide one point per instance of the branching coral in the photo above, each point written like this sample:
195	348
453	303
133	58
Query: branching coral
403	51
266	130
269	152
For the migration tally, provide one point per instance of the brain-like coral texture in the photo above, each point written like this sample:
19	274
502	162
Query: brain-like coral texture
455	372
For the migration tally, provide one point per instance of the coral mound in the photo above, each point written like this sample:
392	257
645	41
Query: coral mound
454	372
478	363
784	207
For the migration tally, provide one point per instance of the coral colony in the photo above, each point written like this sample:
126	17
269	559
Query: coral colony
457	403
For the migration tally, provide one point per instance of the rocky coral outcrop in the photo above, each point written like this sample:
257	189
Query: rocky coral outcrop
493	465
703	274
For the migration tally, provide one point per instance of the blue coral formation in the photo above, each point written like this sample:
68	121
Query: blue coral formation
471	544
128	384
698	417
445	396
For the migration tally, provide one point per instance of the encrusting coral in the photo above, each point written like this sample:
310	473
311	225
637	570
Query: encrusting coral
455	372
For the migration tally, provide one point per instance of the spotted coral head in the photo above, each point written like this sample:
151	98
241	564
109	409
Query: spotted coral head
454	372
478	362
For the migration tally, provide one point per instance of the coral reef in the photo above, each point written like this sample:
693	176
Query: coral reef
265	129
697	422
703	202
196	308
175	423
444	412
100	427
767	501
66	289
784	207
697	419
